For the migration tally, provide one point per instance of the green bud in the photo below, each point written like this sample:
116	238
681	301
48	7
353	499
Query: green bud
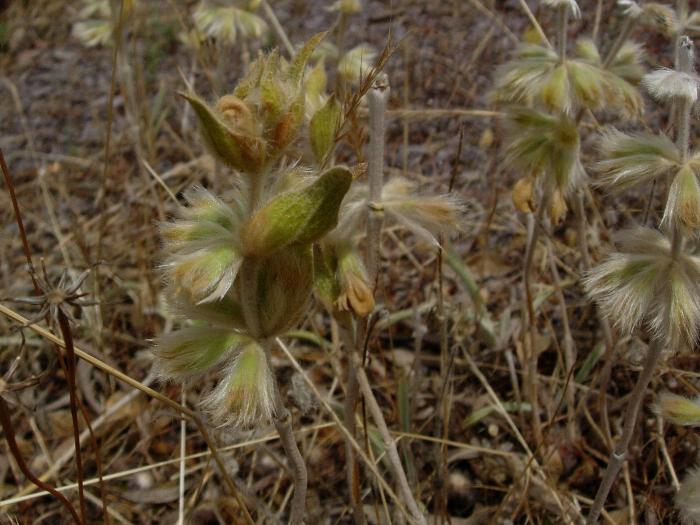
323	128
238	150
297	217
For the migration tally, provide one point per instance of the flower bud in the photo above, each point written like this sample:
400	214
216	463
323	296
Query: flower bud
524	194
297	217
355	290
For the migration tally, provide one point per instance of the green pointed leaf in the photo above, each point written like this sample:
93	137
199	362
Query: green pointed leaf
299	63
297	217
240	151
323	127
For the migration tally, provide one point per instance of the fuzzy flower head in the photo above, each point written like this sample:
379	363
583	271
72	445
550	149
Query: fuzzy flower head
630	8
228	22
423	215
546	146
688	498
570	4
537	76
203	248
679	410
347	7
644	285
355	65
633	159
661	17
245	395
668	85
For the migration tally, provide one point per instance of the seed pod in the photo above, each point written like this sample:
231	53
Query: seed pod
297	217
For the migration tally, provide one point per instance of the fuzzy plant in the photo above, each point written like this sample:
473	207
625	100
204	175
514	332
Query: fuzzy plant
652	282
229	22
239	266
98	20
346	284
545	91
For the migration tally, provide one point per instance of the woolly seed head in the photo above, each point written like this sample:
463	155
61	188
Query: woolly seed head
347	7
632	159
683	203
644	285
667	85
688	498
537	74
226	23
355	65
630	8
190	352
546	145
424	216
202	247
679	410
245	395
661	17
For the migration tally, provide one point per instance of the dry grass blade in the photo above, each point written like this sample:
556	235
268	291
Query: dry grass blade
100	365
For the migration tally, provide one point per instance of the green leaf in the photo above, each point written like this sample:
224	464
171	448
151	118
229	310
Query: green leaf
299	63
237	150
323	128
297	217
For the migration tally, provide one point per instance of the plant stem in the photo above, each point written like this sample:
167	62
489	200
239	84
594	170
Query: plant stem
684	56
627	27
392	453
562	26
352	392
71	363
277	27
377	97
283	424
121	376
617	458
529	330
